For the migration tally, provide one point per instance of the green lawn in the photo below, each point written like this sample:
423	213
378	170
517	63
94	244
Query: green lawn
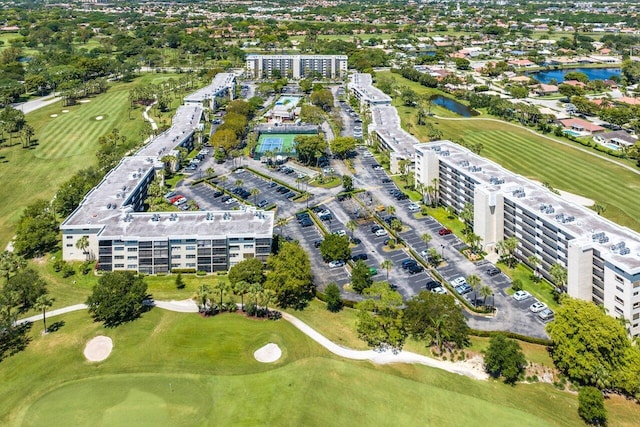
182	370
529	154
542	290
65	144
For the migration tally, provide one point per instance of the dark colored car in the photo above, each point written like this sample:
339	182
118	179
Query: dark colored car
444	231
302	215
356	241
408	263
375	228
317	243
290	195
306	222
225	198
415	268
493	271
218	194
273	184
360	257
431	284
386	180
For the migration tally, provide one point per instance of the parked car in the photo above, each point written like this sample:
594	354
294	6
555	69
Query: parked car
425	254
375	228
340	233
290	195
273	184
414	269
458	281
546	314
337	263
463	289
381	232
317	243
361	257
306	223
438	290
386	180
493	271
537	307
431	285
521	295
408	263
170	194
218	194
413	207
444	231
355	241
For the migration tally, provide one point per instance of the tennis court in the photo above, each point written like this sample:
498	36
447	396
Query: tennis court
276	143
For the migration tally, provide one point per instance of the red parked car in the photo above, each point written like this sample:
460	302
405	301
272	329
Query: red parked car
444	231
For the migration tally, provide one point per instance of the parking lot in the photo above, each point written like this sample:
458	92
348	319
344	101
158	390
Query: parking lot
270	191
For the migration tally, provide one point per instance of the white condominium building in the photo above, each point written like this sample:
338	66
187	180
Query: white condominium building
223	84
602	258
296	66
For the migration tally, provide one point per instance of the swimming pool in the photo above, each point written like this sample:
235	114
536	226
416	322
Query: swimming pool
612	146
572	132
288	100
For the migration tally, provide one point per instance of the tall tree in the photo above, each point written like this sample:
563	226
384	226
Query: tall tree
117	298
360	277
504	358
44	302
289	276
335	247
380	316
28	285
387	264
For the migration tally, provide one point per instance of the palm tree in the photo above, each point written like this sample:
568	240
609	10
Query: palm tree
426	238
11	263
43	302
223	286
239	183
352	226
390	210
223	179
599	208
202	297
534	262
485	291
254	193
438	324
475	282
281	222
559	275
210	171
241	288
387	264
83	244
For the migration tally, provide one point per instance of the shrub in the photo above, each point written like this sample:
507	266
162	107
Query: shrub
332	295
517	285
68	270
591	406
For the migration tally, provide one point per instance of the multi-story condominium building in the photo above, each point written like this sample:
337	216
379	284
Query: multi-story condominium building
122	237
223	84
602	258
384	128
296	66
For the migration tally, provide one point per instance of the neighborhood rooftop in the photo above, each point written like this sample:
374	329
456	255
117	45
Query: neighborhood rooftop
221	82
575	220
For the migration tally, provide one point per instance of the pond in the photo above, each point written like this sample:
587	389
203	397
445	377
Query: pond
593	74
453	105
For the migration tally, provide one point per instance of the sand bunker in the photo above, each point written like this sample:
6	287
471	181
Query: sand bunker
84	101
53	115
98	349
268	354
99	118
65	111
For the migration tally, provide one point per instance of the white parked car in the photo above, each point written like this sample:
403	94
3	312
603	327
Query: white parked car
439	290
458	281
521	295
413	207
425	254
340	233
537	307
337	263
381	232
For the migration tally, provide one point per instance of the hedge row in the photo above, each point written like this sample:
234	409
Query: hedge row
513	335
345	302
200	180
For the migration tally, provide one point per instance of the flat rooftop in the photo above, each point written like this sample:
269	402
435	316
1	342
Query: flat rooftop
385	121
574	220
363	84
191	225
258	56
185	121
220	83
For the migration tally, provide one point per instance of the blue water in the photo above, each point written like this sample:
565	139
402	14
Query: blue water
453	105
593	74
572	132
288	100
613	146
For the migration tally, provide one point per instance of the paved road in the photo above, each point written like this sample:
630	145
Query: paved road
29	106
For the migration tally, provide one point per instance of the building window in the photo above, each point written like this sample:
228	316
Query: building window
118	257
618	310
191	256
118	266
69	237
69	245
132	249
619	279
619	300
619	289
131	266
191	264
118	248
174	256
191	248
132	258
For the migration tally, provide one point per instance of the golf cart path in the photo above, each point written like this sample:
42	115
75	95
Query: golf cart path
467	368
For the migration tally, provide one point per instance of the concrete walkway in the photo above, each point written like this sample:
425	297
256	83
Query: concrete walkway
145	114
385	357
471	368
35	104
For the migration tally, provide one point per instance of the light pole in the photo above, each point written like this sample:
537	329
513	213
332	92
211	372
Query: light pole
442	253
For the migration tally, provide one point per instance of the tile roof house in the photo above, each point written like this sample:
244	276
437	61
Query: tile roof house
581	125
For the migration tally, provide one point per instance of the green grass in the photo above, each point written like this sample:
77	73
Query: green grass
182	369
65	144
564	167
331	182
452	223
542	290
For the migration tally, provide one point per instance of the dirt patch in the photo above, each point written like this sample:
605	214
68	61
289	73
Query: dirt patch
98	348
268	354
